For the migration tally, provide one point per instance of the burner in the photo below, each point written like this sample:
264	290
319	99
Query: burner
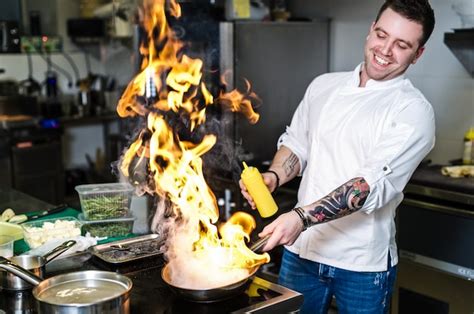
260	295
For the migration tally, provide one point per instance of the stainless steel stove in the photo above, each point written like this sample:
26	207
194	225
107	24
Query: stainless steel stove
150	294
261	296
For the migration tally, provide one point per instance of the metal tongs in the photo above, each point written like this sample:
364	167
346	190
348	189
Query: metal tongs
128	248
116	247
259	244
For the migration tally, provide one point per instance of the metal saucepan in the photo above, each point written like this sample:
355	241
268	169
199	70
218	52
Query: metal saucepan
82	292
208	295
33	263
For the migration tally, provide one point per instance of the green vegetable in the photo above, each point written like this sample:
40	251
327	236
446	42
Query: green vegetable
7	215
104	207
17	219
107	229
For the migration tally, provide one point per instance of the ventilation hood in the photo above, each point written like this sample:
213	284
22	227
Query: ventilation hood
461	44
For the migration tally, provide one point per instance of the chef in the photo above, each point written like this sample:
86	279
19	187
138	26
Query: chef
356	138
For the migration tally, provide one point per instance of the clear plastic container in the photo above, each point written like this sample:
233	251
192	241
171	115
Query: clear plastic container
105	201
6	246
36	233
110	228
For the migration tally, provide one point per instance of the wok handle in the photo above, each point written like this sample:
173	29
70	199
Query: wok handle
58	250
259	243
19	271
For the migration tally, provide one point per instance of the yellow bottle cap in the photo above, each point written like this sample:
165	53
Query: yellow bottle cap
470	134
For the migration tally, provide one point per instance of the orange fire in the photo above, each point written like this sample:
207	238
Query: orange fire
199	253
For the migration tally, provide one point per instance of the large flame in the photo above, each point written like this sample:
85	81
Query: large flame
200	254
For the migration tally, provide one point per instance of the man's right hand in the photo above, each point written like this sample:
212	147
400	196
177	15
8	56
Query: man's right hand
270	181
283	231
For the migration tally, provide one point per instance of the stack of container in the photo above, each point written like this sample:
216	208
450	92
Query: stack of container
106	209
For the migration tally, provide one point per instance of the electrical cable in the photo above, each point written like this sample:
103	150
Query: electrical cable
88	62
30	65
74	67
30	85
51	64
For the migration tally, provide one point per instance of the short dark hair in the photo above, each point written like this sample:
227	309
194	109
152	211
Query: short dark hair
418	11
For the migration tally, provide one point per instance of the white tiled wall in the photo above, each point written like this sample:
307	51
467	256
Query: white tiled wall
438	74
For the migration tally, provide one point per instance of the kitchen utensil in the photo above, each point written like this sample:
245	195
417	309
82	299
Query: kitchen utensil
17	302
208	295
6	245
49	211
260	243
82	292
128	250
33	263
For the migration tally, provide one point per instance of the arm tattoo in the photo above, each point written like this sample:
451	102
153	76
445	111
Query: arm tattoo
290	164
346	199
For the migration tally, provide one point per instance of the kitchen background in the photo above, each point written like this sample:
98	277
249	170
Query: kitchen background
439	74
280	59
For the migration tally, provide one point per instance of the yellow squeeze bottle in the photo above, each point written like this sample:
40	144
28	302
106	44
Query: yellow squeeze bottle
262	197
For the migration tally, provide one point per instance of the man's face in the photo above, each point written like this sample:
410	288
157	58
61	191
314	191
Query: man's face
392	45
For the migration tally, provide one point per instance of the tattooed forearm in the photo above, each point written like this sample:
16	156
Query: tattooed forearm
346	199
290	164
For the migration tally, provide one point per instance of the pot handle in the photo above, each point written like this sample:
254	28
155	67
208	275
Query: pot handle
19	271
58	250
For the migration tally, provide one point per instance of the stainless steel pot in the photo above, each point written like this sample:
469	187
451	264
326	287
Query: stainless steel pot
82	292
208	295
33	263
18	301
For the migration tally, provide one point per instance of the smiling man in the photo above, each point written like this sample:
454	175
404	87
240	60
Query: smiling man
394	42
356	138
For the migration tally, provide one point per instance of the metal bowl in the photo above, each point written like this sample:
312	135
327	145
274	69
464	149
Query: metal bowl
208	295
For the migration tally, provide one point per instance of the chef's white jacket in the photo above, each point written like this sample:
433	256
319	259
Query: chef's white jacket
340	131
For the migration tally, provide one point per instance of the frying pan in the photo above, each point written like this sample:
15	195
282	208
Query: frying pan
215	294
208	295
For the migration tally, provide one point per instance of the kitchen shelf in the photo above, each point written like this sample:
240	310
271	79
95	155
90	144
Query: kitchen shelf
461	44
87	120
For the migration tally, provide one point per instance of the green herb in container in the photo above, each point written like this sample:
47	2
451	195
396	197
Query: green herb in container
107	228
105	201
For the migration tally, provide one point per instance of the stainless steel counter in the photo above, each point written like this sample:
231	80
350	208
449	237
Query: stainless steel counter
20	202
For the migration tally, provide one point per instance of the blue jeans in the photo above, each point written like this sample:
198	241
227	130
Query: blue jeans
355	292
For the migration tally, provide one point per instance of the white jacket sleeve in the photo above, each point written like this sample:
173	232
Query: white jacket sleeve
296	135
405	141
